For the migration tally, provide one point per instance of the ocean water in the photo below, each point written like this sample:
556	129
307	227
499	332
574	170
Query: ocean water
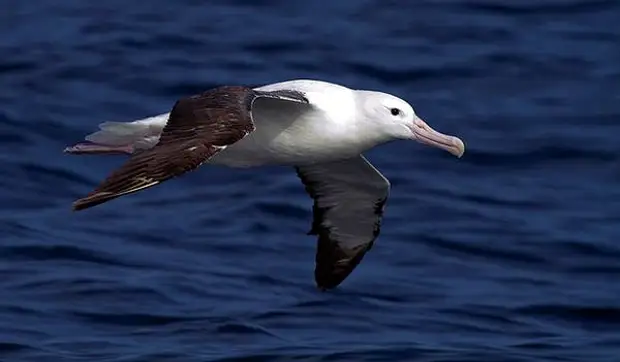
511	253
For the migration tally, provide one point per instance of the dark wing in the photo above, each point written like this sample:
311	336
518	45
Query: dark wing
349	198
198	128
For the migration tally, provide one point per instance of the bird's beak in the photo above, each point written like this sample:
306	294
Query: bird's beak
423	133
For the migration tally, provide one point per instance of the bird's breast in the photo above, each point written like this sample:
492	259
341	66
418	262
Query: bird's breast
306	140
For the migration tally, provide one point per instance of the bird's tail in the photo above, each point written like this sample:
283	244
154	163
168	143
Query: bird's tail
121	137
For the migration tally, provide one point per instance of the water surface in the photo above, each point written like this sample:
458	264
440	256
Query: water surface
508	254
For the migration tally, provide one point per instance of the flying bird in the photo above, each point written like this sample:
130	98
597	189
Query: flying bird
320	129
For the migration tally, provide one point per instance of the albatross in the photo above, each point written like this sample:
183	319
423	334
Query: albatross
318	128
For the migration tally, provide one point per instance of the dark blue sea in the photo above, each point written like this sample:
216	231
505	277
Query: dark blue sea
511	253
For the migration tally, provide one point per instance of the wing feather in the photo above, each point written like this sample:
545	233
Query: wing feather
198	128
349	200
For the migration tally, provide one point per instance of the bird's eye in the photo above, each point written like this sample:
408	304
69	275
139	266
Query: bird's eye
395	111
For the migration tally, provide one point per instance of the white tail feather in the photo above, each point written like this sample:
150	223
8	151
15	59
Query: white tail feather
117	134
137	135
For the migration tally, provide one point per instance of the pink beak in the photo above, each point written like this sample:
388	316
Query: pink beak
423	133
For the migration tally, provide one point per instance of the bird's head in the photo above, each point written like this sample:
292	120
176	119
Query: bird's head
398	120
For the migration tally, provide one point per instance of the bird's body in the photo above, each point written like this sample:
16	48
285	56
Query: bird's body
301	136
319	128
298	138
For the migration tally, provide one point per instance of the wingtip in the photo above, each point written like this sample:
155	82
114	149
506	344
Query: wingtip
322	288
92	200
78	205
325	285
100	197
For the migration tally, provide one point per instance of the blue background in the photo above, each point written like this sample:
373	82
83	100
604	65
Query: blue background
508	254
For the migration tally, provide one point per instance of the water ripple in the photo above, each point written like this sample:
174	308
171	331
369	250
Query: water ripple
507	254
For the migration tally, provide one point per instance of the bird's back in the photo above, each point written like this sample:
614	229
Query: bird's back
294	133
